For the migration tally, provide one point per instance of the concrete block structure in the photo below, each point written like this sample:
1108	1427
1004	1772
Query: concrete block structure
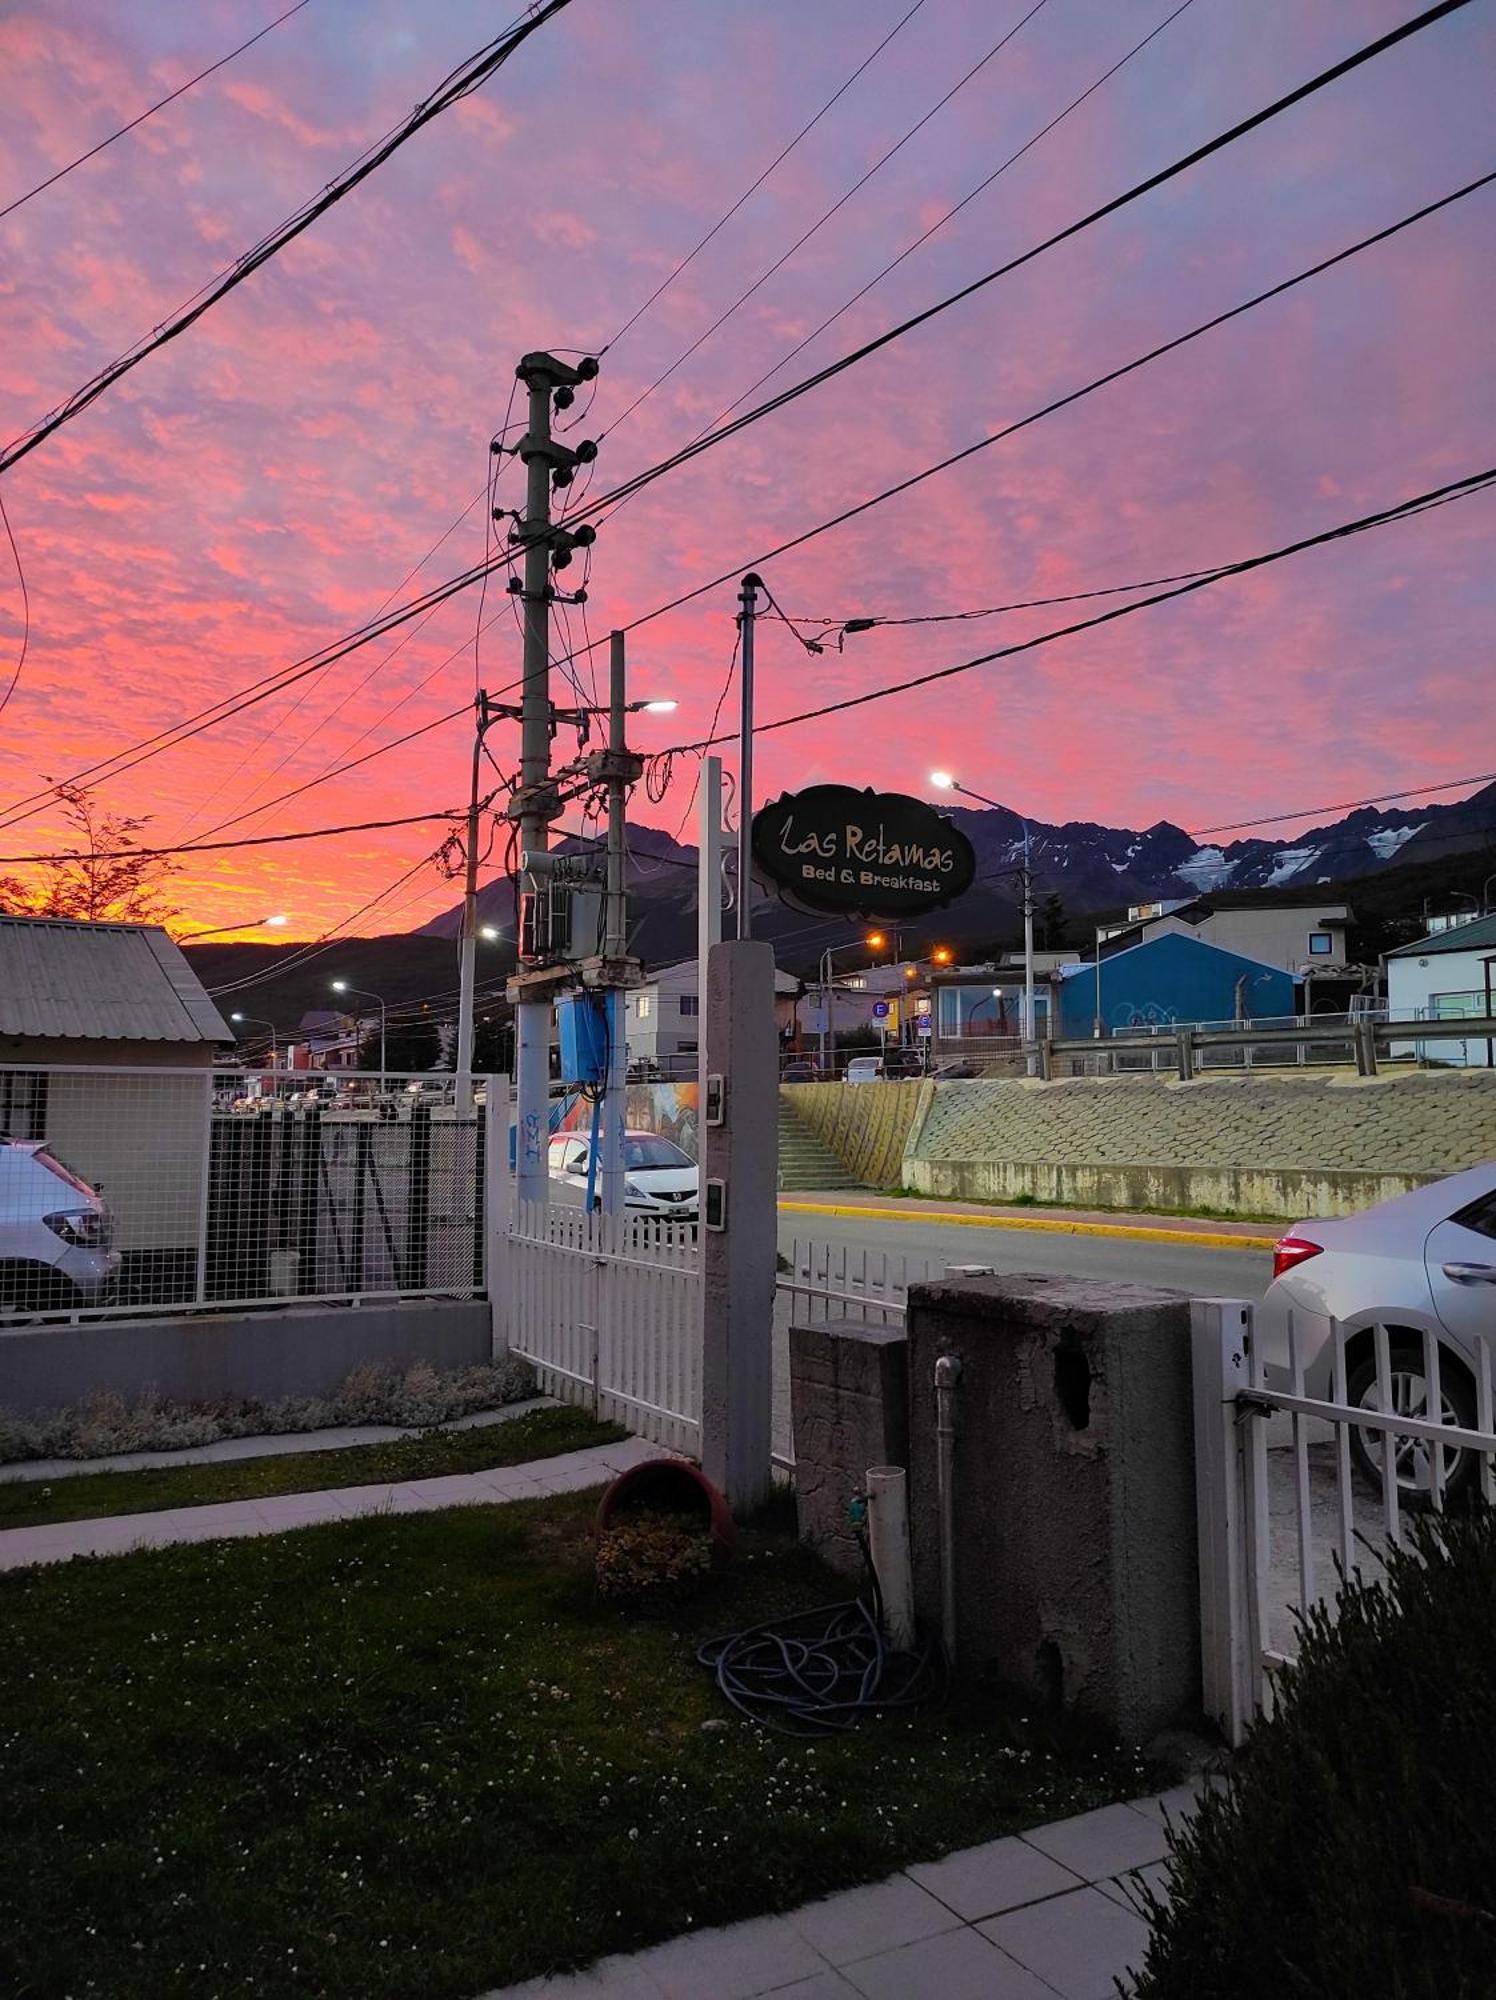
849	1393
1074	1547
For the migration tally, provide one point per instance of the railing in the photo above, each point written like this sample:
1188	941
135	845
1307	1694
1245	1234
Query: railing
608	1309
1282	1519
1187	1049
144	1190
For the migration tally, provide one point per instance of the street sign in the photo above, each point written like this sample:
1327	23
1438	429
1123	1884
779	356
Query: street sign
880	1010
861	853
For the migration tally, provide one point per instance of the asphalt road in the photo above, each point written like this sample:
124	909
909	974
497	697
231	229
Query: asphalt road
1239	1274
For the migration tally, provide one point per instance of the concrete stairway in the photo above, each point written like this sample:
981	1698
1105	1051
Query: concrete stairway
805	1165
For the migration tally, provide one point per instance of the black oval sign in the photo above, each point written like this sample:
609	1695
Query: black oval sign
863	854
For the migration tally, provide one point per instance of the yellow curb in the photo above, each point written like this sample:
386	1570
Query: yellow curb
1133	1232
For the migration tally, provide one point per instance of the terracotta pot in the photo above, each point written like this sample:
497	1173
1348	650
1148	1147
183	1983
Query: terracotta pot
670	1486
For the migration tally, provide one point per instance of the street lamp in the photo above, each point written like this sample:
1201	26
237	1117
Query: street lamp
255	1021
342	986
219	930
874	941
943	781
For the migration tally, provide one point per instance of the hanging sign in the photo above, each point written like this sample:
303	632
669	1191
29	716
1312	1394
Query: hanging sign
862	854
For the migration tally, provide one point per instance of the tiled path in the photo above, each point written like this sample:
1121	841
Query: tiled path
567	1473
1049	1912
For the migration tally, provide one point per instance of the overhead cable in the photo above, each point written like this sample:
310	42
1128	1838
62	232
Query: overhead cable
459	83
1437	496
1346	805
160	105
216	846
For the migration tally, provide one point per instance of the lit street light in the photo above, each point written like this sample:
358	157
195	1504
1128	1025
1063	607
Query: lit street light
254	1021
220	930
342	986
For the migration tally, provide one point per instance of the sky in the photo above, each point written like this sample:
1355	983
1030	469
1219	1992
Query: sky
267	482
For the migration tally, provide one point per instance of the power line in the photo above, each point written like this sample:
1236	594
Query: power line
1437	496
457	84
160	105
217	846
271	684
778	161
1345	805
25	609
823	218
980	188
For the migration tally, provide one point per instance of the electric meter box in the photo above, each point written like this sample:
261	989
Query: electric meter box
583	1023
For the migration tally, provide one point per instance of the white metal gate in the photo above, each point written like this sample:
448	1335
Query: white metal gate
849	1280
608	1309
1283	1512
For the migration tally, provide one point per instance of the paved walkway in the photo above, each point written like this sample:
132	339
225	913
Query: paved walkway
568	1472
267	1445
1045	1913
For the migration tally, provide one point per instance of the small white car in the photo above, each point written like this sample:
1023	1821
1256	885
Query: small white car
56	1234
864	1069
658	1178
1423	1262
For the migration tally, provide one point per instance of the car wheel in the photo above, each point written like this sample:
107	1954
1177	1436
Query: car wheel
1413	1457
37	1288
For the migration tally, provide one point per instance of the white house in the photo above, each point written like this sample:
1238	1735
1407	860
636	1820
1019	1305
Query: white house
1443	977
663	1021
1306	937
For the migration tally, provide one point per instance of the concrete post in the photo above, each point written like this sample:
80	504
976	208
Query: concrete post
1071	1491
738	1258
498	1206
849	1402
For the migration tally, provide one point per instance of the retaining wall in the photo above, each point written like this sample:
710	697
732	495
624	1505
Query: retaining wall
232	1357
1289	1144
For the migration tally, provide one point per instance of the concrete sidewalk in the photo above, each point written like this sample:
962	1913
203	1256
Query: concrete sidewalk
568	1472
1050	1912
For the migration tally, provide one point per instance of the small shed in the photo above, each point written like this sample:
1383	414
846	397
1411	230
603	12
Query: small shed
1448	976
107	1040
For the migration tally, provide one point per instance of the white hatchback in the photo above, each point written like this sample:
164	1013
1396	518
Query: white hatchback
1422	1263
658	1178
56	1234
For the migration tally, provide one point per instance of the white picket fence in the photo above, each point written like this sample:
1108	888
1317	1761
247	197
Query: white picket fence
837	1281
608	1309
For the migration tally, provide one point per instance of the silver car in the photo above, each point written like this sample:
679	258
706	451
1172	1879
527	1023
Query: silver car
658	1178
56	1234
1423	1263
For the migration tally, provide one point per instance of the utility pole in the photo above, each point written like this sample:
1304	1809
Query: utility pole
748	598
1029	1025
467	949
620	770
536	801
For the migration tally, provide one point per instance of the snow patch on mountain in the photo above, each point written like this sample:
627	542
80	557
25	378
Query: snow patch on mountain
1291	861
1207	868
1385	843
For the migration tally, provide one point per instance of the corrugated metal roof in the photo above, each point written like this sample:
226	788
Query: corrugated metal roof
101	982
1479	934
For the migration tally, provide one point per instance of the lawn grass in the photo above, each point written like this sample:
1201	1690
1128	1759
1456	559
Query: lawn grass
88	1496
416	1756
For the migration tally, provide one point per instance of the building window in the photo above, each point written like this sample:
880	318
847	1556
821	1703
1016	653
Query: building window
645	1006
688	1049
690	1003
1321	944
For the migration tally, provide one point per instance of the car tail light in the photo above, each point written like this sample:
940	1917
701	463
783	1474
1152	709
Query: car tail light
1291	1251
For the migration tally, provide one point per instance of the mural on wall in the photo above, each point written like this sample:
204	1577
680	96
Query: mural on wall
670	1109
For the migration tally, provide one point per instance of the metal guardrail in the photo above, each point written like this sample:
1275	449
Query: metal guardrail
1368	1040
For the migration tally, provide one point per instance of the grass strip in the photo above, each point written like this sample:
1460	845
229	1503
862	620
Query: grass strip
26	1503
417	1756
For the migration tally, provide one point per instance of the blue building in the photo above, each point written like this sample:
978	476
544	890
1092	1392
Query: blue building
1168	979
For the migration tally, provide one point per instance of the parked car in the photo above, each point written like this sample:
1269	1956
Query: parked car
658	1178
863	1069
56	1234
1421	1263
903	1063
801	1070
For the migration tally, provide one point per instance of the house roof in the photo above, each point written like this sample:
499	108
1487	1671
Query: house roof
1169	944
1477	935
101	982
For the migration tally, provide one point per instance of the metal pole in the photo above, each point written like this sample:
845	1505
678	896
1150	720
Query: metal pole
748	598
383	1066
1029	1029
467	949
615	938
1096	1024
825	1003
708	912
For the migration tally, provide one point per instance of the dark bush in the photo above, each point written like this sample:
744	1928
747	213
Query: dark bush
1354	1851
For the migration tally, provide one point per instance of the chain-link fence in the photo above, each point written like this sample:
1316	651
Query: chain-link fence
139	1190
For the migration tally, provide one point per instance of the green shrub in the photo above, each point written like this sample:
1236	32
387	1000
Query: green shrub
649	1559
1354	1851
